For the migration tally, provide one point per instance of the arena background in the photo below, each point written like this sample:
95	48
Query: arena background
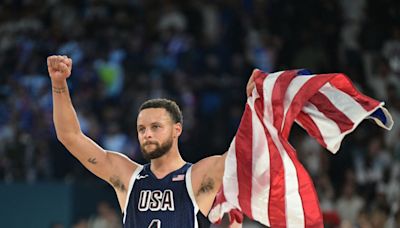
199	53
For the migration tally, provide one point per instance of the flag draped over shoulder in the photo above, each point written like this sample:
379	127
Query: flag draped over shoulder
263	178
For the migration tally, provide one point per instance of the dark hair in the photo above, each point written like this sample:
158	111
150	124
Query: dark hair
171	107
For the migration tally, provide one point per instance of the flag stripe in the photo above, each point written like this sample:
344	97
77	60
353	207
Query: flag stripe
329	129
305	121
301	95
264	89
331	111
261	172
293	204
293	172
230	179
276	206
244	160
344	103
343	83
311	210
293	88
279	92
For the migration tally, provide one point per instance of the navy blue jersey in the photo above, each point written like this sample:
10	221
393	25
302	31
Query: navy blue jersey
168	202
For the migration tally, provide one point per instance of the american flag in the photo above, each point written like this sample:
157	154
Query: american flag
179	177
263	178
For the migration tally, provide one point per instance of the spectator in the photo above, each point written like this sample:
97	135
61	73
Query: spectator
349	204
106	217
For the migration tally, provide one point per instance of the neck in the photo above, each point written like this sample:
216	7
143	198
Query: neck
167	163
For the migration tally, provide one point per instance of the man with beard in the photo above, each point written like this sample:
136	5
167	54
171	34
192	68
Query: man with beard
167	192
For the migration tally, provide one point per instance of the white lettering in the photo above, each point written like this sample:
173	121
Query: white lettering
156	223
156	200
144	200
168	201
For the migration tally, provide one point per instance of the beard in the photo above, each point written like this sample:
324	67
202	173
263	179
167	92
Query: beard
159	151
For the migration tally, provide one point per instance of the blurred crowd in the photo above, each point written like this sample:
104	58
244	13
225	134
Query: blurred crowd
200	53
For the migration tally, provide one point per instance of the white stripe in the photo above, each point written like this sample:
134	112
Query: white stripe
218	212
293	203
268	86
130	187
348	106
291	92
351	108
330	131
230	181
261	169
189	187
344	102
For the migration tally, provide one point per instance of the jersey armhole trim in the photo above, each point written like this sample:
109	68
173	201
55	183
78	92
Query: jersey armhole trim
130	187
189	188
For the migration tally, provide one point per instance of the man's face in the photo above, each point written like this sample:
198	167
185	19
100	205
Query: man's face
156	132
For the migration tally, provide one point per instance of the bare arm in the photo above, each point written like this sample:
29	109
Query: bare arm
112	167
207	177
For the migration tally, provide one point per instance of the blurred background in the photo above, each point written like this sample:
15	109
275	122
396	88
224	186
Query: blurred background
199	53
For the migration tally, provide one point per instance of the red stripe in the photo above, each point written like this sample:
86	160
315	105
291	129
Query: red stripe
235	215
244	154
325	106
220	197
304	94
311	128
308	195
276	207
343	83
259	80
278	96
219	200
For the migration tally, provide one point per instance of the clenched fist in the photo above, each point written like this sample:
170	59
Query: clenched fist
59	67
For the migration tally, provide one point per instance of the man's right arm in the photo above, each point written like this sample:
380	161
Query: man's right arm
112	167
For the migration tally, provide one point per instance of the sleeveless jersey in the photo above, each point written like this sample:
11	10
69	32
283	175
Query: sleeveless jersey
162	203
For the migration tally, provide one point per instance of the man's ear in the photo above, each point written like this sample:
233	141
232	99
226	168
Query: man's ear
178	129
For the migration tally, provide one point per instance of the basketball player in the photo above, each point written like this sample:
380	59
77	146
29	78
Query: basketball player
167	192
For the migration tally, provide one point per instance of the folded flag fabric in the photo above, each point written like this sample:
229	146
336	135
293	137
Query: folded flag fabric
263	178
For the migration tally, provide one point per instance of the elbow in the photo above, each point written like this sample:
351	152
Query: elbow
63	139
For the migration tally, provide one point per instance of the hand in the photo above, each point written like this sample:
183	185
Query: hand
59	67
251	83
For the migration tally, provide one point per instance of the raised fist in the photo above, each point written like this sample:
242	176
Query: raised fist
59	67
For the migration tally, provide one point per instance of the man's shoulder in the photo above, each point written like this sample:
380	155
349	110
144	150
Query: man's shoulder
209	166
206	180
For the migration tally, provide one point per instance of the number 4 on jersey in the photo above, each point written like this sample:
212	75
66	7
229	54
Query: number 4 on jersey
156	223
